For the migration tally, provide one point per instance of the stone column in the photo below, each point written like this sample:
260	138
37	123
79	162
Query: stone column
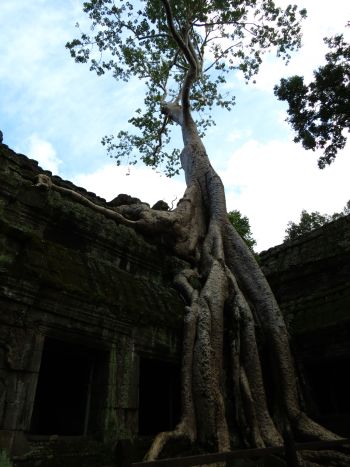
20	357
121	413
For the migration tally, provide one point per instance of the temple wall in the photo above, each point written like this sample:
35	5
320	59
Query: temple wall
311	281
86	296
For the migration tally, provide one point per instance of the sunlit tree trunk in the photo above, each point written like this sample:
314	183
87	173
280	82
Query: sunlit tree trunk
231	294
229	306
235	343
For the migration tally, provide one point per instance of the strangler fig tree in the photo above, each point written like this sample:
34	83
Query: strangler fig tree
159	42
185	51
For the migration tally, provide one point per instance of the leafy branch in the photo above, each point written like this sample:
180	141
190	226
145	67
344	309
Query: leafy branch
181	50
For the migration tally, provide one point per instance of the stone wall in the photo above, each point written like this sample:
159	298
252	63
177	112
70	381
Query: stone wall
311	280
71	277
311	277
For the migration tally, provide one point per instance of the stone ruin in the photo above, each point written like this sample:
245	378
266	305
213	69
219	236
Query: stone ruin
90	325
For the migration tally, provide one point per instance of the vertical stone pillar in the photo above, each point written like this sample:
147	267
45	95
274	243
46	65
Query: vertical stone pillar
121	413
20	357
110	425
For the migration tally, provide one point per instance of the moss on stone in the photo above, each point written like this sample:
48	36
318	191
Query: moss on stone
66	246
5	460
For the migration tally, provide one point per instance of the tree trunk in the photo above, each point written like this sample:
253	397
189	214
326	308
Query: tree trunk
232	323
229	302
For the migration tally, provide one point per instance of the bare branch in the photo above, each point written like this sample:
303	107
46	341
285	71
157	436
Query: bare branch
222	55
152	36
224	23
190	55
178	39
160	134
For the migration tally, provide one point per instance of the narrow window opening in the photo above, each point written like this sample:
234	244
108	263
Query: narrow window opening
159	396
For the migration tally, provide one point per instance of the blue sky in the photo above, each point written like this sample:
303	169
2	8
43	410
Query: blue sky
56	112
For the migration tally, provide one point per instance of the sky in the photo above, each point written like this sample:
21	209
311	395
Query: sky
56	112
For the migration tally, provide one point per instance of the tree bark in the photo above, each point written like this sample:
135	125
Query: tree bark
232	298
229	305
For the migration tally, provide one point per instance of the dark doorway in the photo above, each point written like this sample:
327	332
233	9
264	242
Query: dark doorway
63	395
159	396
330	385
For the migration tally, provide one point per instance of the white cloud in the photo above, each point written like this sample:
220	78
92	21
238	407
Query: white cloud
236	135
46	93
141	182
43	152
271	183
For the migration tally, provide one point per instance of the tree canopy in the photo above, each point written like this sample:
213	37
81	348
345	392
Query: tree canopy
310	221
319	112
242	225
133	39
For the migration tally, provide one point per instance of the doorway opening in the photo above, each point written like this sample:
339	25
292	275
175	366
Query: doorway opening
65	389
329	387
159	396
